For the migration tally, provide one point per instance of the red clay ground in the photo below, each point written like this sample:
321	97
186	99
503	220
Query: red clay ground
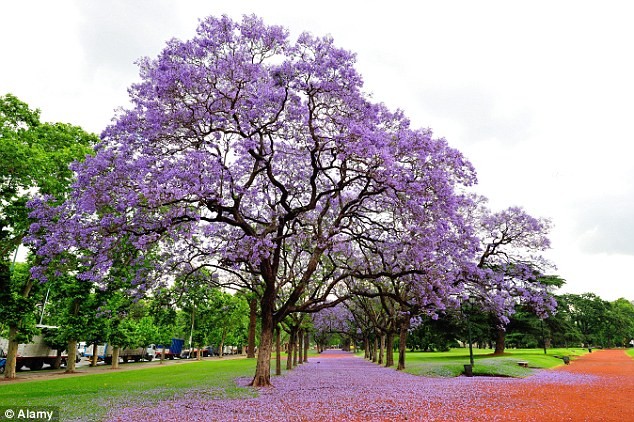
341	387
608	398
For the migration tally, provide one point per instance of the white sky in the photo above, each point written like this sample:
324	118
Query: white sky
538	95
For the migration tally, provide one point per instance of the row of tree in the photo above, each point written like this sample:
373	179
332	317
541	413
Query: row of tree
257	164
203	315
581	321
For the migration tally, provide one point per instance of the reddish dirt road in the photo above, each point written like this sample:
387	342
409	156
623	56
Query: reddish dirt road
608	394
341	387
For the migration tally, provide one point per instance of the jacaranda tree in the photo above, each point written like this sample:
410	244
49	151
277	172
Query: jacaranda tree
510	268
241	144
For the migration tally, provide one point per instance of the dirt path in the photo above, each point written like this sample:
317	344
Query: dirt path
606	394
341	387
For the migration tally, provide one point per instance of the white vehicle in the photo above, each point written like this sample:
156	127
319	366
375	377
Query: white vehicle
35	354
104	353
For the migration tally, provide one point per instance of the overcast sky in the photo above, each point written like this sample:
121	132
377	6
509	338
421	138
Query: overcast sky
539	96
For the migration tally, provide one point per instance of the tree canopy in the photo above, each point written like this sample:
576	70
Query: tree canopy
261	160
242	145
35	157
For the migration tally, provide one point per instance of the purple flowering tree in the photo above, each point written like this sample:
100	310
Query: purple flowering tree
244	151
329	321
414	263
510	266
376	326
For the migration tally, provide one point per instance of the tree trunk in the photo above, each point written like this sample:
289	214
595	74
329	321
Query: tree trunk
278	351
402	343
12	353
72	354
500	343
375	348
253	321
300	347
72	344
366	348
298	344
222	344
115	357
57	363
291	348
262	377
381	349
389	350
162	355
95	351
306	345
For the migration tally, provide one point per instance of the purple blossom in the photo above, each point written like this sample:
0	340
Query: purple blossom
333	387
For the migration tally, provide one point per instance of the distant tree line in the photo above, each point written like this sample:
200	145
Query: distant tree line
581	320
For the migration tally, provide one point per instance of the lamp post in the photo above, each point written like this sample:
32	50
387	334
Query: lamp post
471	301
468	369
541	323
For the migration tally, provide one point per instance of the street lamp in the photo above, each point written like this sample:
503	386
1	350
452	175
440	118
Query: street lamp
468	368
471	302
541	323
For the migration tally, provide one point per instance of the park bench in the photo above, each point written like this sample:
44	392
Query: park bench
523	364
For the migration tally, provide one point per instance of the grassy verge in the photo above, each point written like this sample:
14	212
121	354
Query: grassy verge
630	352
451	364
89	397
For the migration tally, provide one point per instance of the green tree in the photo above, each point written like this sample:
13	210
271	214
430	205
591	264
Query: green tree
621	322
35	158
229	318
18	297
589	314
564	331
164	317
72	305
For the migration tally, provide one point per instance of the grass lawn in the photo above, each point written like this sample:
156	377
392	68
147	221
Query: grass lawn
451	364
90	396
630	352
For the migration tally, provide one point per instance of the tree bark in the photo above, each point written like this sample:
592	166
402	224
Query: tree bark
296	345
262	377
291	350
222	345
500	343
253	321
278	351
375	347
402	343
12	353
115	357
381	349
389	350
72	354
306	345
94	358
300	347
57	363
366	348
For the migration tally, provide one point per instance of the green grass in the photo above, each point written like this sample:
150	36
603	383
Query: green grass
90	396
630	351
451	364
